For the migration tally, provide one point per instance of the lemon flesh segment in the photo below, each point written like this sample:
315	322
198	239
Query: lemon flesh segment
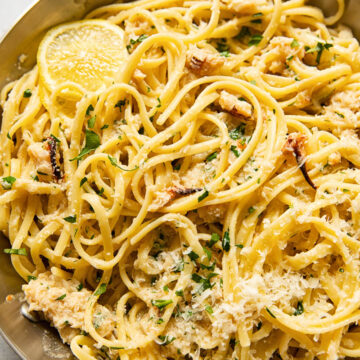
80	57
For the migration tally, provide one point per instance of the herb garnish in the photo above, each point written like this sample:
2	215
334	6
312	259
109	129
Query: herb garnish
92	142
7	182
299	308
27	93
62	297
226	241
203	196
21	251
161	304
101	290
71	219
255	40
113	162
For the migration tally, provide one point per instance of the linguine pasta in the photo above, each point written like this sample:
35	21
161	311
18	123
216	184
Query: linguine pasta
201	201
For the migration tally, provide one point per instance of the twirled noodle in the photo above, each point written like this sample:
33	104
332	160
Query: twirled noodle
218	216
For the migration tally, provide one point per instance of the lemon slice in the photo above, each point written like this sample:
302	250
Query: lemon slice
79	57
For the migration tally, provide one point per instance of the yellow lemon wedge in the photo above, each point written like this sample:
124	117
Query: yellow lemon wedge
81	57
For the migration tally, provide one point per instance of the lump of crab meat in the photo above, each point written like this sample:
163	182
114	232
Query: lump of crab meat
203	62
212	213
231	104
63	303
46	158
41	157
295	145
163	197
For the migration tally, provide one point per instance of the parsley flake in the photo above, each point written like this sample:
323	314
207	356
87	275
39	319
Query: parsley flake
92	142
21	251
7	182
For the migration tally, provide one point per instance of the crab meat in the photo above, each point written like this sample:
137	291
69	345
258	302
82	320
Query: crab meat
169	194
334	158
41	157
63	305
203	62
295	145
231	104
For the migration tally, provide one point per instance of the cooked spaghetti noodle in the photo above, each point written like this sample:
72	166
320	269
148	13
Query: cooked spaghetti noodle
203	201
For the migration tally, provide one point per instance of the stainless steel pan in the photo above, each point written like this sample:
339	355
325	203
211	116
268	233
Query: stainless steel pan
35	341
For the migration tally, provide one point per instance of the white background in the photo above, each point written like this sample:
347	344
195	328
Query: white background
10	10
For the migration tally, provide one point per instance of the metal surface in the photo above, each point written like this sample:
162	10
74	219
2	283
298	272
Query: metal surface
36	341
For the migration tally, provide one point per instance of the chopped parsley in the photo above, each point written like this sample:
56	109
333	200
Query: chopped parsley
208	253
113	162
161	304
159	103
166	340
21	251
83	181
71	219
193	256
257	15
225	54
55	138
209	309
7	182
27	93
120	104
208	267
245	31
133	42
92	142
294	43
235	150
211	157
205	282
31	277
179	293
299	308
236	133
255	40
62	297
89	110
251	209
140	39
101	290
256	21
222	46
203	196
319	48
91	122
214	239
226	241
341	115
270	313
80	287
